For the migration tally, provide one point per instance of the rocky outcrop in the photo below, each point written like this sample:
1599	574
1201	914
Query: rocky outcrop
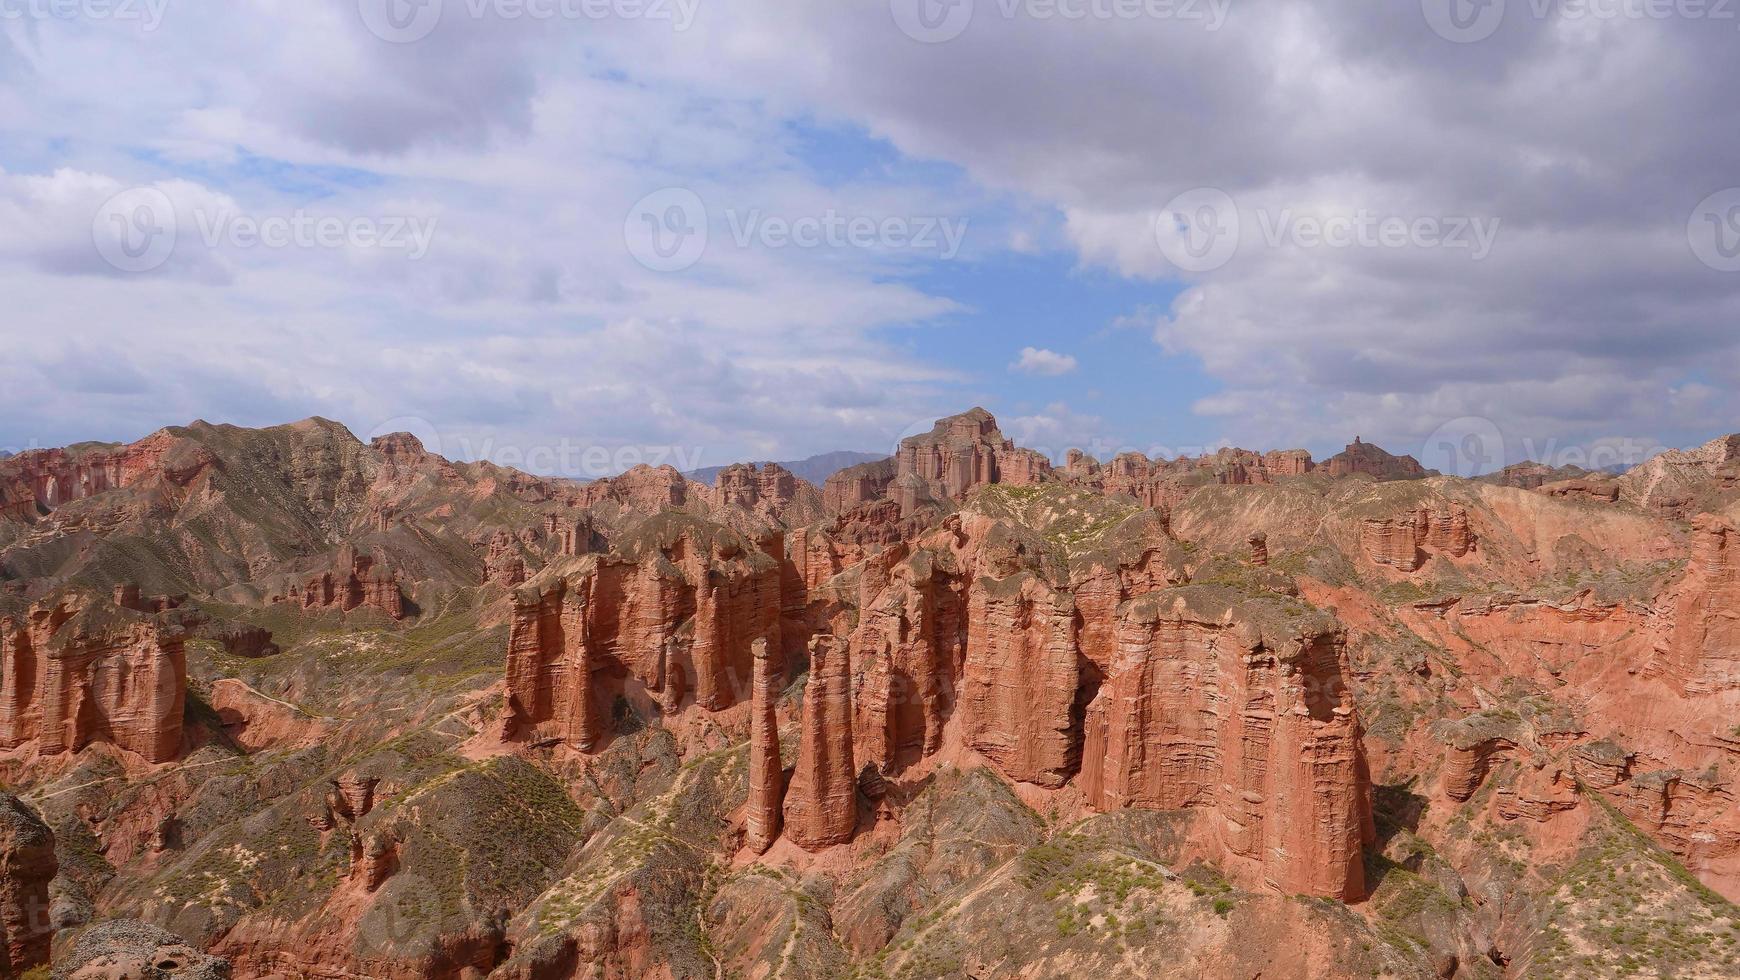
644	490
821	806
504	562
670	614
1587	489
1701	653
858	485
1237	709
1402	542
27	865
1259	544
42	480
766	771
124	949
771	493
1471	746
966	451
1392	542
1363	458
1020	678
354	581
74	672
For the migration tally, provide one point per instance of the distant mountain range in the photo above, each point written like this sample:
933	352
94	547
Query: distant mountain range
816	469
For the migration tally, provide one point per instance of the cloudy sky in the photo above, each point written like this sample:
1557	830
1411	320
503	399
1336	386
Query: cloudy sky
568	234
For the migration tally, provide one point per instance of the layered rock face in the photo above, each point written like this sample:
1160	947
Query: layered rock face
42	480
27	865
1402	542
1230	708
75	671
766	771
1702	651
967	451
672	613
771	493
356	581
1363	458
643	490
821	807
1020	678
857	485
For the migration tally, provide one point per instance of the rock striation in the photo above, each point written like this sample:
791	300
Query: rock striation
821	806
27	865
1365	459
670	614
74	671
967	451
766	771
1234	707
1403	542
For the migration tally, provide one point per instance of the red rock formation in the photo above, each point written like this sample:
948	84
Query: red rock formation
355	581
906	654
674	608
1369	460
857	485
1020	678
41	480
766	771
771	493
27	865
1471	745
551	658
72	674
821	807
1212	704
1397	542
643	490
1288	462
1591	489
1391	542
503	564
967	451
1259	543
1702	652
1444	529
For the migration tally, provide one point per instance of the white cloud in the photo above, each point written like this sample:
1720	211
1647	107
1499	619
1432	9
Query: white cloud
1048	363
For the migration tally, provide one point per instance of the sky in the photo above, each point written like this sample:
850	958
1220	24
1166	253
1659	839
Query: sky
576	235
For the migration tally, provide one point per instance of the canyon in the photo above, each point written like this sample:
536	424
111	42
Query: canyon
297	705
